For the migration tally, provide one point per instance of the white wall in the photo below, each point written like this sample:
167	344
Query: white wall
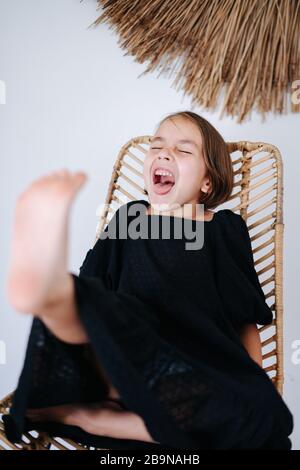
72	101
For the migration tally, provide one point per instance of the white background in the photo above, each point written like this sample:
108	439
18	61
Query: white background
73	99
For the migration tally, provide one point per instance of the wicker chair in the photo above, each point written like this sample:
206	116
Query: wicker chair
257	195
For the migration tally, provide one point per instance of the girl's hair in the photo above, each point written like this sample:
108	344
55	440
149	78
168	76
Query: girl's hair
217	159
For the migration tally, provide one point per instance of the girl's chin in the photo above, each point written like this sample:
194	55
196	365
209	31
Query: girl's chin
161	204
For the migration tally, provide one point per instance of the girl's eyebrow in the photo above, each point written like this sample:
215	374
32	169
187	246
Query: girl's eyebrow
181	141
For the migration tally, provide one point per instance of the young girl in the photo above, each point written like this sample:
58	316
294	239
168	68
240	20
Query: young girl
153	344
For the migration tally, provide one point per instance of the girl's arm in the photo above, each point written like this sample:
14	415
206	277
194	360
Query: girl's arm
250	338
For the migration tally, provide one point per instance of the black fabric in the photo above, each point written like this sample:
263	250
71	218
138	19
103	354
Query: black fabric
164	322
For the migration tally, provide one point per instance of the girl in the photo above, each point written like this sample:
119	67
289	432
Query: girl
153	344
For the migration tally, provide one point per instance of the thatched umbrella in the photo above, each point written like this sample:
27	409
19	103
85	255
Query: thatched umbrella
250	49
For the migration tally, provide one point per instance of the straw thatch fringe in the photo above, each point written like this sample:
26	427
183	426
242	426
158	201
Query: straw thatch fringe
249	49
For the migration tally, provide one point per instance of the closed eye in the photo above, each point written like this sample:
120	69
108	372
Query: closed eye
159	148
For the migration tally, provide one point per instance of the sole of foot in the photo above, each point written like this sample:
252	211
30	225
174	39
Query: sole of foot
39	244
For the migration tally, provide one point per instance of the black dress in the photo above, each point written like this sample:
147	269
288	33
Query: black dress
164	323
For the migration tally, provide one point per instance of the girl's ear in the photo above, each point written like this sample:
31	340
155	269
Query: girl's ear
206	186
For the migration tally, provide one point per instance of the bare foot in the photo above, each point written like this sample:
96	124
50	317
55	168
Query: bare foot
102	418
71	413
38	261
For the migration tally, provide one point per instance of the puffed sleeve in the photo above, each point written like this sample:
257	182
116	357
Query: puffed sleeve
237	281
100	261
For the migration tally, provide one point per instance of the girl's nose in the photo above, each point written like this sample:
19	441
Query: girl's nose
165	153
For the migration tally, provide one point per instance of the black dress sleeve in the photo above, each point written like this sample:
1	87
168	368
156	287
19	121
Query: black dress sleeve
239	287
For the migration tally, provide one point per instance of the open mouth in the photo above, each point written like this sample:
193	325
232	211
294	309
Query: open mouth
163	181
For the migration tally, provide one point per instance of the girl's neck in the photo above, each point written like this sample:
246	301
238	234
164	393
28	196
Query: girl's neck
188	211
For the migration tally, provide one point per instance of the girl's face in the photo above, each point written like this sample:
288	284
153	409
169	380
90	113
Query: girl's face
174	167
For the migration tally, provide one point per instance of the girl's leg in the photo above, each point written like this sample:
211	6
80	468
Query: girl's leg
39	248
38	281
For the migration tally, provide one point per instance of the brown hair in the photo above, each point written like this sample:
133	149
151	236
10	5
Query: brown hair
217	159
